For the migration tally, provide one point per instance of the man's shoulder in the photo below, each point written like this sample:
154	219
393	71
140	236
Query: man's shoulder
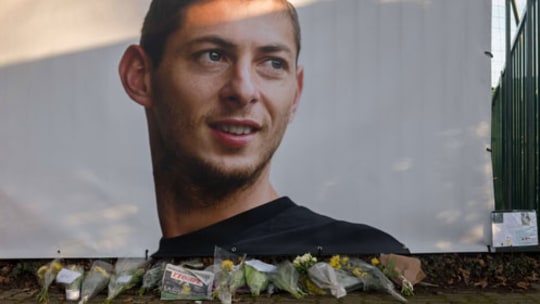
298	230
282	227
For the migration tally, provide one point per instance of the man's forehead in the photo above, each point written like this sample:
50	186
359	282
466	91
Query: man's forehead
207	13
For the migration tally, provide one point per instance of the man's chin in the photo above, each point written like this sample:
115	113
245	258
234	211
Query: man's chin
211	179
222	180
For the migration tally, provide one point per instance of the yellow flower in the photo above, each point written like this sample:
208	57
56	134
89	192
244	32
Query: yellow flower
375	261
344	260
102	271
335	262
42	270
227	265
56	266
359	273
311	287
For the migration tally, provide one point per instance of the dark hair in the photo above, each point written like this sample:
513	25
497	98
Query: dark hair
166	16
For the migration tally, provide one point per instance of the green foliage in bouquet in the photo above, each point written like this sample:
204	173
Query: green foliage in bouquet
128	272
256	280
95	280
285	277
229	274
152	278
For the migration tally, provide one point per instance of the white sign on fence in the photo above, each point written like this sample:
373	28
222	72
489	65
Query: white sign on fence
514	228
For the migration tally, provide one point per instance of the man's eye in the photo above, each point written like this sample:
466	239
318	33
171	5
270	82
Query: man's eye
274	67
214	56
277	64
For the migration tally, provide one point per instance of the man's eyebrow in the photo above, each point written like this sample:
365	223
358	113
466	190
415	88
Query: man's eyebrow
226	44
275	48
213	40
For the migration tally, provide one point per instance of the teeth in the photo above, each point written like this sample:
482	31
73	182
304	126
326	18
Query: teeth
236	130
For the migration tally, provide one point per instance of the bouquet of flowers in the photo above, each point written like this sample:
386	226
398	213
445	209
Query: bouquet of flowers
304	262
255	272
372	278
152	277
71	278
324	276
404	271
127	274
346	278
285	277
302	265
95	280
46	275
228	275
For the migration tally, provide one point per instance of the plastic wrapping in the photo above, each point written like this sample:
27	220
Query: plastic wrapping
229	274
372	278
46	275
128	272
256	275
324	276
95	280
71	277
285	277
152	278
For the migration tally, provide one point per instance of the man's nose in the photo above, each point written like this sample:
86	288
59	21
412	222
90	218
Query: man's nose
241	86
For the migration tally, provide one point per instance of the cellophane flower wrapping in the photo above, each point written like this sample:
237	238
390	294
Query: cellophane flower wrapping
152	277
285	277
229	274
372	277
348	281
71	277
255	272
46	275
128	272
302	264
324	276
96	280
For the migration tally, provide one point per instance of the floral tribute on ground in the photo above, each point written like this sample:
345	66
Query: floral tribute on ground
230	276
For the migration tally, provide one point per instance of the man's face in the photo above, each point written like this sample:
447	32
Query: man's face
227	85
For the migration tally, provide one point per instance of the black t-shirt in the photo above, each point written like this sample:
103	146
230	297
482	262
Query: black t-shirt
279	228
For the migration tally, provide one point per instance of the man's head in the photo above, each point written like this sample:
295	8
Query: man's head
220	91
166	16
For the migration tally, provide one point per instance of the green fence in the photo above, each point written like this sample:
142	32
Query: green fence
515	119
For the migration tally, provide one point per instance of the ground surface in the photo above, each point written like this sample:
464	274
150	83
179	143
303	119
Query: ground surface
450	278
18	296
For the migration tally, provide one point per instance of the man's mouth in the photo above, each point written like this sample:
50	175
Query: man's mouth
236	129
234	133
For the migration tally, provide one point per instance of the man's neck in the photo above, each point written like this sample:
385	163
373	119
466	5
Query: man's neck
185	209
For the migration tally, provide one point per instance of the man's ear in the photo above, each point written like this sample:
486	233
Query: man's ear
300	87
134	70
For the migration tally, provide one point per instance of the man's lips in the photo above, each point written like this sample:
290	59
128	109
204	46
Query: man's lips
236	127
235	133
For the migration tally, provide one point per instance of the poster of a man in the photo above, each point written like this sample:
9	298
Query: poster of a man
220	82
242	138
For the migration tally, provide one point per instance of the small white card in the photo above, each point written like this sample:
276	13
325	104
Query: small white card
67	276
124	279
261	266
